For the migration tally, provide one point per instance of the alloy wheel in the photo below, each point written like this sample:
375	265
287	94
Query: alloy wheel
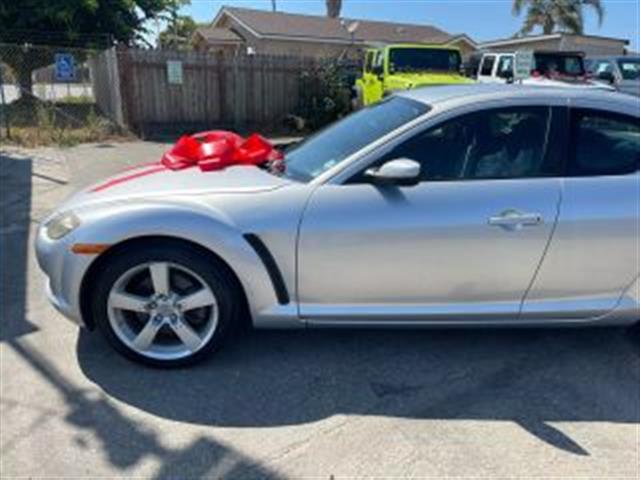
162	310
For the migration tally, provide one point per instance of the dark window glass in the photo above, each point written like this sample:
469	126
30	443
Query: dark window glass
369	62
551	64
493	144
423	59
487	66
505	67
334	144
630	68
604	144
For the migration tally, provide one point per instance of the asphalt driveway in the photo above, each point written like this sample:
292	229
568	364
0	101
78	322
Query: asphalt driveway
323	404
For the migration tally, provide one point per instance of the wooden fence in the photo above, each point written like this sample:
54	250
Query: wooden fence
215	92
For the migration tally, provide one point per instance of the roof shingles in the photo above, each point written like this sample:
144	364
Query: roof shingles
267	24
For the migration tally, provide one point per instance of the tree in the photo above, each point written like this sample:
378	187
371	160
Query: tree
333	8
50	25
177	35
556	15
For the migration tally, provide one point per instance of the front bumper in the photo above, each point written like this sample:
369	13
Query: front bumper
64	271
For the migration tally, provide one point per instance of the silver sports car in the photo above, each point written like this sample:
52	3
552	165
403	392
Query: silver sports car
448	206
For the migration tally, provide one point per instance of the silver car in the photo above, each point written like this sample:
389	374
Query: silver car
449	206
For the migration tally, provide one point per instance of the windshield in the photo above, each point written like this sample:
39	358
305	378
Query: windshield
630	68
421	59
334	144
551	64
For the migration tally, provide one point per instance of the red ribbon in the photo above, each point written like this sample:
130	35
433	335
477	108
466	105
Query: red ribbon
218	149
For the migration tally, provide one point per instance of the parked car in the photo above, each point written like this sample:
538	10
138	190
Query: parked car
551	69
451	206
405	66
621	72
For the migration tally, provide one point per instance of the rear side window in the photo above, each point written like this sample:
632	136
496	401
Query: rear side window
604	144
487	65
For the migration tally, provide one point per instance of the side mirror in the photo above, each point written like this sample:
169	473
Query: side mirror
402	171
606	77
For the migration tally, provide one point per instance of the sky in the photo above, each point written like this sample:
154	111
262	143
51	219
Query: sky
483	20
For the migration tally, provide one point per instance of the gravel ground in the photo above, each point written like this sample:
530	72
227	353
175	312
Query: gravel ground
322	404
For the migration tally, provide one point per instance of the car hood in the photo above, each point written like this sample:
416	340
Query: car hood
154	182
419	79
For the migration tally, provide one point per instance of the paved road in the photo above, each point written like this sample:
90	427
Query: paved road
294	404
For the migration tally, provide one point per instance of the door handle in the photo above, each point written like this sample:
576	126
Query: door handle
514	219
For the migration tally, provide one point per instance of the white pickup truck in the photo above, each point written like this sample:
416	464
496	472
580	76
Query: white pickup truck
555	69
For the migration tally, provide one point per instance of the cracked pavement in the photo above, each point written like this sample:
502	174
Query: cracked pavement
322	404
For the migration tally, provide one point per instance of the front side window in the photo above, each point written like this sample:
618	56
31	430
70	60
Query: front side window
491	144
604	144
630	68
331	146
602	67
368	62
487	66
505	67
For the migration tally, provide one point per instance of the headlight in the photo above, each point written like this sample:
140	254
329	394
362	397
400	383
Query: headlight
61	225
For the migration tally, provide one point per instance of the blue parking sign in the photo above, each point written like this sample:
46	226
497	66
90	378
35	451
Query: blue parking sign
65	67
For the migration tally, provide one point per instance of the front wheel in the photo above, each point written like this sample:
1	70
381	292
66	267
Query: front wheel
164	306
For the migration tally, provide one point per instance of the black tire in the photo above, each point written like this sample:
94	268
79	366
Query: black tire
212	271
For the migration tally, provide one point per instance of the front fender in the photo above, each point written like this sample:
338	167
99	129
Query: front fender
114	224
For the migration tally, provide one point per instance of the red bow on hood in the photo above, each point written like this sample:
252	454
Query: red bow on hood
218	149
209	151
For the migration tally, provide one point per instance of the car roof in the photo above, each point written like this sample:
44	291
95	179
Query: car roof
613	57
441	95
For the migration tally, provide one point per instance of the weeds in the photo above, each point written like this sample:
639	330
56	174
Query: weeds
48	125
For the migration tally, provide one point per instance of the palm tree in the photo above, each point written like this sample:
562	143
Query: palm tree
333	8
556	15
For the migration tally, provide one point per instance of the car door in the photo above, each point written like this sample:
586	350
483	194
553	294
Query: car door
594	256
461	245
485	72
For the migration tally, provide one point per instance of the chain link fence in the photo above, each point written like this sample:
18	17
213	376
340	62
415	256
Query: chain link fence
47	96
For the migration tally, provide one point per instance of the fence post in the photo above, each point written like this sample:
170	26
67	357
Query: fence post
126	84
114	80
5	113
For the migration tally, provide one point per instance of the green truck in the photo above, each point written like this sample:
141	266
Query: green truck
405	66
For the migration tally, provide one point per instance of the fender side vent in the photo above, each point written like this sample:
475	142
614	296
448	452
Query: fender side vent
272	267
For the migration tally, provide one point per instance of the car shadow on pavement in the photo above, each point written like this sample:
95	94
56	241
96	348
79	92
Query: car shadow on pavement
531	377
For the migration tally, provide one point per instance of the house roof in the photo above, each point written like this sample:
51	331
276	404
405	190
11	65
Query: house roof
280	25
537	38
217	35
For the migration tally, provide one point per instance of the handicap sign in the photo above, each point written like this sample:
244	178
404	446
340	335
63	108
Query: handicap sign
523	64
65	67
